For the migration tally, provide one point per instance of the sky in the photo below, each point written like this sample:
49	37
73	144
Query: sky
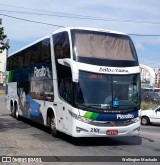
138	17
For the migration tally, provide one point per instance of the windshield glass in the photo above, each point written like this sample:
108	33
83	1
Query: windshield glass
108	91
102	45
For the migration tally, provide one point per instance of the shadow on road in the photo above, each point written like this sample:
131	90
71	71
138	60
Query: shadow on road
102	141
7	123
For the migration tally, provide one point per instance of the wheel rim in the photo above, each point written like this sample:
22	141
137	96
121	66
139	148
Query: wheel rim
144	121
53	124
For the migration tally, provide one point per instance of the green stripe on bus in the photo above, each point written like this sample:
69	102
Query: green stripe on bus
94	116
88	114
10	76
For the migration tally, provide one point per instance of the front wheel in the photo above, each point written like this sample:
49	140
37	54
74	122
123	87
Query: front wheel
52	122
145	120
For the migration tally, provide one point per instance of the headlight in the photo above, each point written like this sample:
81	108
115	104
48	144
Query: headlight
135	120
80	118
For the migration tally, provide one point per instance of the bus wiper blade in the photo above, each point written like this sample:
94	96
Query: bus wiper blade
88	106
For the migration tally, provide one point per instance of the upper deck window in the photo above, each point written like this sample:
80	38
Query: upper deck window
61	45
104	46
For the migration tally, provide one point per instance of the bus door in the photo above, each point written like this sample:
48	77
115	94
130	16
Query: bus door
65	90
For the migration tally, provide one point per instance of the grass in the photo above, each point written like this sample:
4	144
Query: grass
147	105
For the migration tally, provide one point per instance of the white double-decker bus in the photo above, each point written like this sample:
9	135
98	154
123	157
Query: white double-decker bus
81	81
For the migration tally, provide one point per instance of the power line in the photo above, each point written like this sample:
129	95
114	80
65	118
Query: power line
44	23
153	63
67	15
38	10
22	19
145	35
54	14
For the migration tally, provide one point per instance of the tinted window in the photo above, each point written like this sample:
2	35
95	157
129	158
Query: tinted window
46	51
26	57
61	45
37	53
64	76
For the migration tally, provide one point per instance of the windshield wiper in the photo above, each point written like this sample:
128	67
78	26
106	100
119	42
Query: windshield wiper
98	106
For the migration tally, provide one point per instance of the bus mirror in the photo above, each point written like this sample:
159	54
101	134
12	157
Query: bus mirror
60	61
72	64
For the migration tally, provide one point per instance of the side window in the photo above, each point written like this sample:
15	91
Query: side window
8	63
37	90
49	90
64	76
13	63
26	57
19	60
35	53
46	51
61	45
65	89
42	90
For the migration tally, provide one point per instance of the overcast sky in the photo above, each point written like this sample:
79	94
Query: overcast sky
128	16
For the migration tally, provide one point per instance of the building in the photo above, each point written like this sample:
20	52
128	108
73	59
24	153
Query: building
2	67
2	77
147	75
157	78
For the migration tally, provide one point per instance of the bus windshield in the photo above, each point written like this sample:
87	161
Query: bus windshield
101	45
119	92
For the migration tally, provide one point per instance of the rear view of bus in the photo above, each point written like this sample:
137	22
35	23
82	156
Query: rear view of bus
101	79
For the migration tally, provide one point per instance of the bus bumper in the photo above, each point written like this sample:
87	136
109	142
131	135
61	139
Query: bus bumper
81	129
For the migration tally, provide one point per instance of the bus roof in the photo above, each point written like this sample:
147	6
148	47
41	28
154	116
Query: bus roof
67	29
88	28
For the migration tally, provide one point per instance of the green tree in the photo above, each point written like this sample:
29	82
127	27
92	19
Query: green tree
3	37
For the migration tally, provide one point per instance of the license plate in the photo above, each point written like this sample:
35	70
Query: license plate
112	132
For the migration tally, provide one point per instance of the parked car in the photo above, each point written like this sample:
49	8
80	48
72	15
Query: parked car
157	90
151	96
150	116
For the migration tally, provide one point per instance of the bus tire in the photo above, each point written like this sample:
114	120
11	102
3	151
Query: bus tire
16	112
145	120
12	109
53	129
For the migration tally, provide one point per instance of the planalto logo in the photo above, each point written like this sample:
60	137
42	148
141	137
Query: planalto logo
42	72
128	116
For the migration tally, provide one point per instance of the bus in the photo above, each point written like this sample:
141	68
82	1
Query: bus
84	82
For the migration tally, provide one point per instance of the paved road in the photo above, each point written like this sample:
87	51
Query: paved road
24	138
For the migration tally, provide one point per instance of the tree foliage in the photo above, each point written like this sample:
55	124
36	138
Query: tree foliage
3	37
